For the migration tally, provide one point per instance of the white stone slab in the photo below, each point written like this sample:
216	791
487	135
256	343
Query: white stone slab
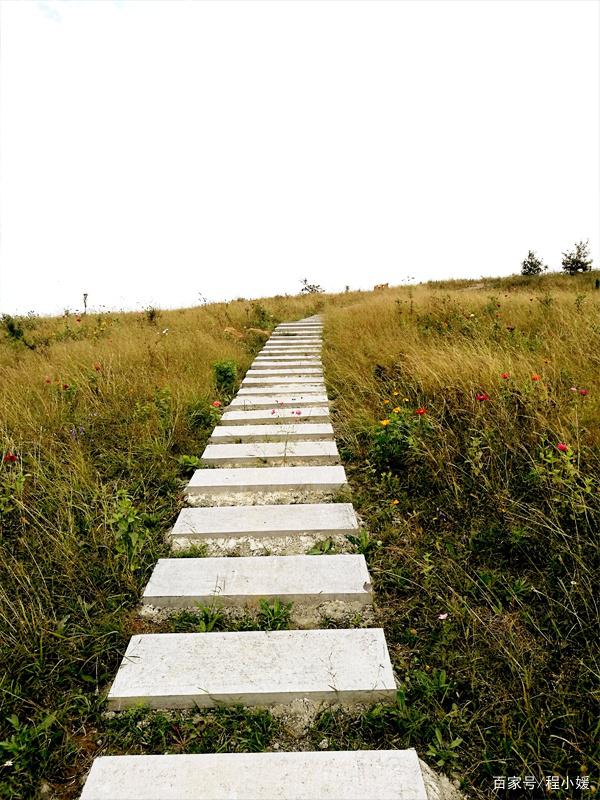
290	351
309	387
295	339
253	668
320	519
278	401
285	373
299	359
270	415
309	580
293	364
266	479
258	379
271	433
273	453
341	775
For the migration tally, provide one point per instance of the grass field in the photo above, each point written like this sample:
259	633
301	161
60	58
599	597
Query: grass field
468	420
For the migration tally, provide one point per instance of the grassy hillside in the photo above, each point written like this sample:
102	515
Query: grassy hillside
482	517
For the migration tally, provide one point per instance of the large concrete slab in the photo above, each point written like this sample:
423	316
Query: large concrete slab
265	479
278	401
268	416
295	339
321	519
303	360
258	378
271	433
287	351
341	775
281	453
309	387
268	363
309	580
278	380
253	668
285	373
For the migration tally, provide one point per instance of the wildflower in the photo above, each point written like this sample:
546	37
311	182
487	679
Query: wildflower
216	404
562	447
396	410
65	386
505	375
395	393
10	458
78	319
535	377
442	616
510	328
384	422
386	402
573	388
97	367
420	411
583	392
481	396
47	380
394	502
297	412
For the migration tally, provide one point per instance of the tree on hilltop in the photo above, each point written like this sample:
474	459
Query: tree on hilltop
532	264
310	288
577	260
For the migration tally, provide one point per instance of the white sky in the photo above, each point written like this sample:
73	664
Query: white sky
153	151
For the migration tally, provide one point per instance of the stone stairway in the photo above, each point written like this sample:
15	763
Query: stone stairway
273	489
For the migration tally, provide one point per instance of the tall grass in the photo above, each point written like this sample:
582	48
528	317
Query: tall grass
486	509
471	510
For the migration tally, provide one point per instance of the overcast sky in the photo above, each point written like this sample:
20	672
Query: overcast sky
152	152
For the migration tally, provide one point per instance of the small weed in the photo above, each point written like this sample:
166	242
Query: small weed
274	616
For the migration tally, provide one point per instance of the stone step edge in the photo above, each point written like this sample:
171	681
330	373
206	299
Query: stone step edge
305	775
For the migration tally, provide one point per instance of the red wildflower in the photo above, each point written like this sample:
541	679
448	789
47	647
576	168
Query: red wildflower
216	404
78	319
564	448
47	380
583	392
97	367
421	411
510	328
505	375
65	386
10	458
535	377
482	396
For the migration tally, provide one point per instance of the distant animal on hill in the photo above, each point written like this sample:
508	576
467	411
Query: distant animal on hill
379	286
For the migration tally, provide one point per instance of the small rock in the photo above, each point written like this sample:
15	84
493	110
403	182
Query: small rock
323	744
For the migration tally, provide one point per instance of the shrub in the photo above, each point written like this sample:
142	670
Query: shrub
577	260
225	373
532	264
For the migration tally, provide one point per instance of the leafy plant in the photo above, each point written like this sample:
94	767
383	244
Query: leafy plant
128	530
225	373
274	616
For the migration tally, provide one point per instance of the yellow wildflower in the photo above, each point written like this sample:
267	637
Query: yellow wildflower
396	410
384	422
394	502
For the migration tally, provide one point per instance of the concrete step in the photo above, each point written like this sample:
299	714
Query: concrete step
341	775
286	374
271	453
273	401
254	668
260	377
310	387
294	340
321	520
292	364
239	434
290	351
304	414
256	480
301	360
179	583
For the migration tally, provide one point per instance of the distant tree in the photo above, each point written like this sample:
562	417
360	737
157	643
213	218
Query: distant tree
532	264
311	288
577	260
